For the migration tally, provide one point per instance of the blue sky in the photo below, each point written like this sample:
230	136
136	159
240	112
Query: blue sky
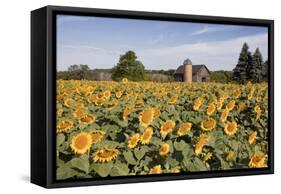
99	42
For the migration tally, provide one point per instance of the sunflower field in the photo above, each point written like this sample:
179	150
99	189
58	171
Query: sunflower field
125	128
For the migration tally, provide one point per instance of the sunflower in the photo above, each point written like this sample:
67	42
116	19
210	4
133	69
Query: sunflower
257	161
105	155
59	112
81	143
126	112
184	128
257	109
241	106
176	169
118	94
211	109
139	104
198	103
146	136
230	105
173	100
106	94
207	157
64	125
164	150
99	100
87	119
157	112
208	124
252	137
79	112
69	102
237	93
167	127
112	104
200	144
224	115
97	136
146	117
124	80
230	128
133	141
229	155
219	104
155	170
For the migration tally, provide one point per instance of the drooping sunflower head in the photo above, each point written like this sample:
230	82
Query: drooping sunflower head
81	143
167	127
257	161
112	104
105	155
208	124
241	106
219	104
184	128
198	103
146	117
207	157
230	128
133	141
164	150
252	137
64	125
229	155
87	119
146	136
224	115
211	109
257	109
97	136
126	112
231	105
155	170
200	144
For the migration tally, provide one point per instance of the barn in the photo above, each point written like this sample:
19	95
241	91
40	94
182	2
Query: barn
192	73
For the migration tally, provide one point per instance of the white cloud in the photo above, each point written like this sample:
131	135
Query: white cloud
216	55
205	29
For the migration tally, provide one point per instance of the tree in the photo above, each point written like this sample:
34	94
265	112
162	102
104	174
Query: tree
129	67
265	70
240	71
256	70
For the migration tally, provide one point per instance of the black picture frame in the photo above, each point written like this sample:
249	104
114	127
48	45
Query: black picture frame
43	94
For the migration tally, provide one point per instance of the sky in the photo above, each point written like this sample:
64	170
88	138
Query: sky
99	42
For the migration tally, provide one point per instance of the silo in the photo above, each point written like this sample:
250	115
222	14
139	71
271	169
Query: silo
187	71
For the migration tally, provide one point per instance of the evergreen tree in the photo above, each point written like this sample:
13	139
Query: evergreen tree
256	70
129	67
240	71
265	71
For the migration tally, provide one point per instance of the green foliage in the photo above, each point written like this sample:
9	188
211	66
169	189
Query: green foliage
250	67
128	67
240	71
221	76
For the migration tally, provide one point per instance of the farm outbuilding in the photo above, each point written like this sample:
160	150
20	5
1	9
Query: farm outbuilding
192	73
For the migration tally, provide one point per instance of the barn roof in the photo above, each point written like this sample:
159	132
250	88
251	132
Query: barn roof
195	69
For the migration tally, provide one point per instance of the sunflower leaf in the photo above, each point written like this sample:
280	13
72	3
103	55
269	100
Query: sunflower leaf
120	169
102	169
129	157
81	163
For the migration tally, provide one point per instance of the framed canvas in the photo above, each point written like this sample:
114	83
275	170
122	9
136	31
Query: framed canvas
126	96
